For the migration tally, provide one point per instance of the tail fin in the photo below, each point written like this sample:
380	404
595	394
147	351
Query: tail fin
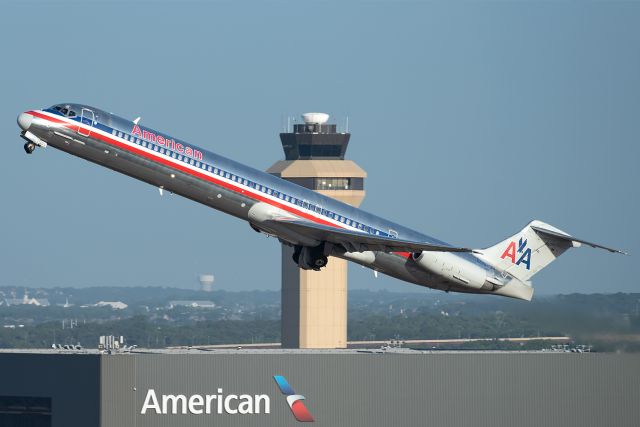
532	249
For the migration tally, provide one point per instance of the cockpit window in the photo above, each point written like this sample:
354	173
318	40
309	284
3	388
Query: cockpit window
65	110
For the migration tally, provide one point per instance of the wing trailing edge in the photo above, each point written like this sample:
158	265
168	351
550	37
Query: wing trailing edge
354	241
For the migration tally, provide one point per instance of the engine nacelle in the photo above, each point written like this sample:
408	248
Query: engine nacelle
453	268
311	258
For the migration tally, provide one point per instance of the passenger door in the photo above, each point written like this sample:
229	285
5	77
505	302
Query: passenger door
86	118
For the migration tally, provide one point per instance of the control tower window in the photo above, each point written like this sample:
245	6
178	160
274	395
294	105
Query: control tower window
338	184
319	150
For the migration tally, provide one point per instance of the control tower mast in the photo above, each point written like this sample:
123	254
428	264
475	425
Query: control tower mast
314	303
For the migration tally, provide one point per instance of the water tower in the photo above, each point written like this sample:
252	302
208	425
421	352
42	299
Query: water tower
206	282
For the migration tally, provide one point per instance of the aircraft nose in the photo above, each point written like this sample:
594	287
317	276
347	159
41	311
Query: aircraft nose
24	120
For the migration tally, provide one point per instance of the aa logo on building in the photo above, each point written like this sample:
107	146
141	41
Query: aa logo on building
294	400
523	254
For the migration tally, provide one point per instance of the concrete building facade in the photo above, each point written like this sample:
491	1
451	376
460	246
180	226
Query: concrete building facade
340	388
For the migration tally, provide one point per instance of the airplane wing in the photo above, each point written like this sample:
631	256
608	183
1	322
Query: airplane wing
357	242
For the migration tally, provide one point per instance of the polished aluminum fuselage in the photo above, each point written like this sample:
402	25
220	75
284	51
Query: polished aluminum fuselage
114	142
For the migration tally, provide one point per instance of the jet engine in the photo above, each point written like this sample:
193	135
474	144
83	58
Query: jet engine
455	269
310	258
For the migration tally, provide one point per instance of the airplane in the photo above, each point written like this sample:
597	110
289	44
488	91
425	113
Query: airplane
316	226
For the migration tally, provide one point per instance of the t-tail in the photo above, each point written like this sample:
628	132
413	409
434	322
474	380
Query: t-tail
526	253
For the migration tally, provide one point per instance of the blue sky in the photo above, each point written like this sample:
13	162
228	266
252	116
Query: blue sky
471	118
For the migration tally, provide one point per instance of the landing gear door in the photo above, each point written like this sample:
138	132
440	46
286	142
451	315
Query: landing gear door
86	118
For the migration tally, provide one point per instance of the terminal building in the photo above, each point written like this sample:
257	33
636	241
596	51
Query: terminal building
393	387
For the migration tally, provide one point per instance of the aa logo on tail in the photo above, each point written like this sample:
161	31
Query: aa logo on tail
523	253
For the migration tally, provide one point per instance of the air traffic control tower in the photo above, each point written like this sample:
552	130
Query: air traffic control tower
314	303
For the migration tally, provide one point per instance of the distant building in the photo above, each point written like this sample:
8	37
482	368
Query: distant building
116	305
193	304
25	300
66	304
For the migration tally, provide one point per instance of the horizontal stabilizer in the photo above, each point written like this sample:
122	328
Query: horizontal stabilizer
569	238
532	249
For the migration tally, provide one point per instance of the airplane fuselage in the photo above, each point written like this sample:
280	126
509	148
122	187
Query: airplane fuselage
176	166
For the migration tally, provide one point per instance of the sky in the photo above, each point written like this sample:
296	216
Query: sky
471	119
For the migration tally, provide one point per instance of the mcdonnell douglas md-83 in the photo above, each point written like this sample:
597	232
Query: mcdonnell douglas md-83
315	225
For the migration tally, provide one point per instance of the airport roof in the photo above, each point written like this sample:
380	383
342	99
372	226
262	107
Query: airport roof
265	351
